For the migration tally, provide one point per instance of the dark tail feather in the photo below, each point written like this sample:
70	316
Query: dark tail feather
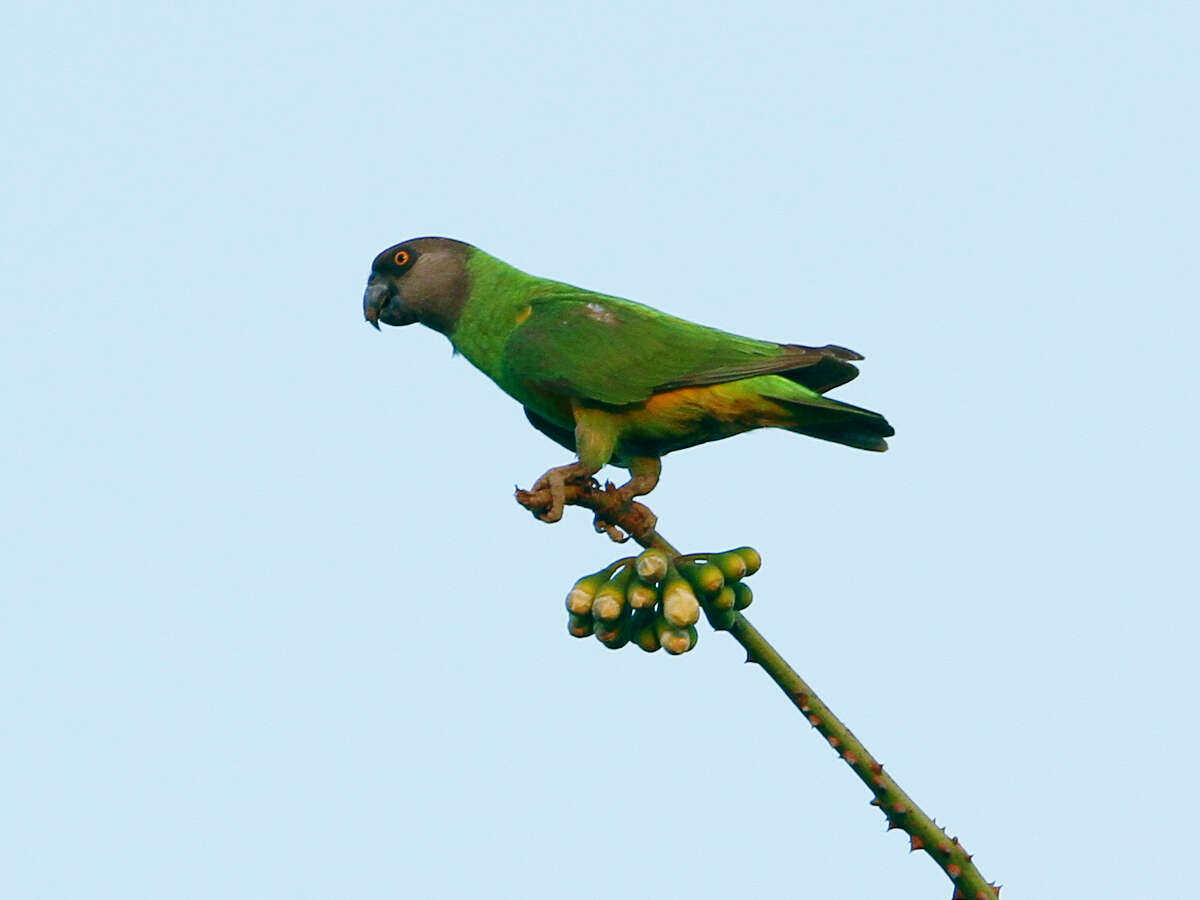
850	435
831	420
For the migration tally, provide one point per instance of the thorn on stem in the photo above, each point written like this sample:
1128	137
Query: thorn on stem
915	842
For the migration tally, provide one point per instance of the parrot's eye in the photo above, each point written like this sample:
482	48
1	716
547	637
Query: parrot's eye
402	258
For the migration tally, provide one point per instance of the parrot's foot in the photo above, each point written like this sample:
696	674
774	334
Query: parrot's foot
617	514
615	534
555	481
636	519
619	507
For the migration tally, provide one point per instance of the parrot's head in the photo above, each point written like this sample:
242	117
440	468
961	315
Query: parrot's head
423	280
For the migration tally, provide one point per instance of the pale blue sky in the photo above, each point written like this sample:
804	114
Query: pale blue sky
272	625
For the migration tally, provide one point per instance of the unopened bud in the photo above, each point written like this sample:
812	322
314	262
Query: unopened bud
731	564
726	598
583	593
641	595
675	640
610	598
743	596
643	631
652	565
580	626
616	635
704	577
679	604
751	557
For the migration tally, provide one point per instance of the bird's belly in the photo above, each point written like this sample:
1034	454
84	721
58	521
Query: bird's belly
682	418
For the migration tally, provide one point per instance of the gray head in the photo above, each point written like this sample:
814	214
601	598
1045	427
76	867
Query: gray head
423	280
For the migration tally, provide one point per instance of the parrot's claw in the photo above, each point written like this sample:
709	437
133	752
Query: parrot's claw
635	518
555	481
614	533
617	513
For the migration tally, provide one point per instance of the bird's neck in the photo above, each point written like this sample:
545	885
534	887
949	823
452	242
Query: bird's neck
499	296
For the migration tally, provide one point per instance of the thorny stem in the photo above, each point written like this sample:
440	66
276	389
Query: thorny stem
899	809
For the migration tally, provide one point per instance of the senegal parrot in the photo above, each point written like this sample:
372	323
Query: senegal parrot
612	380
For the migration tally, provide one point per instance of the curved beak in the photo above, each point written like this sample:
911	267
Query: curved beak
374	298
383	302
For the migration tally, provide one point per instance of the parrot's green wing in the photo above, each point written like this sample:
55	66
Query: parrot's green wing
616	352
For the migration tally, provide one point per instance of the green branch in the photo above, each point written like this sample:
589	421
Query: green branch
901	812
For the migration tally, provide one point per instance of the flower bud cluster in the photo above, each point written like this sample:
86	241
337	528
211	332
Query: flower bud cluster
655	602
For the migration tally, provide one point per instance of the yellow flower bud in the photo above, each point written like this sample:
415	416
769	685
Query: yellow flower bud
679	604
610	598
751	557
704	577
652	565
583	593
731	564
641	595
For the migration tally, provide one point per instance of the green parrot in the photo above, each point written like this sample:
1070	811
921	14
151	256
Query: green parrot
611	380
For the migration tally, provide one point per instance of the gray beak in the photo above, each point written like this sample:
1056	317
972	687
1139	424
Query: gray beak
374	298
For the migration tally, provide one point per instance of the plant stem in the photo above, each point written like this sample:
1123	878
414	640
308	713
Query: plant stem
899	809
896	805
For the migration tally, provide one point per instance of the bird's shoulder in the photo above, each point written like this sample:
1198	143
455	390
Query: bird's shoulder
565	310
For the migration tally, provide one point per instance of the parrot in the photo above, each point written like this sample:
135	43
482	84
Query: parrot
613	381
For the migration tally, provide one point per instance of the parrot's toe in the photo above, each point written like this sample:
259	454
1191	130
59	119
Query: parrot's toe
554	513
614	533
636	520
554	483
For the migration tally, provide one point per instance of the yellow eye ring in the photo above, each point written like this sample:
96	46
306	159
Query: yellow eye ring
401	258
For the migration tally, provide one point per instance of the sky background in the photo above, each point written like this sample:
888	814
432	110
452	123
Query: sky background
271	624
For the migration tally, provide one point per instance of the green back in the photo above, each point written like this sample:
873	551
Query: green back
529	333
613	351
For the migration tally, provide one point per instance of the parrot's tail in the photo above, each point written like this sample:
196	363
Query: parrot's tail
831	420
852	434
